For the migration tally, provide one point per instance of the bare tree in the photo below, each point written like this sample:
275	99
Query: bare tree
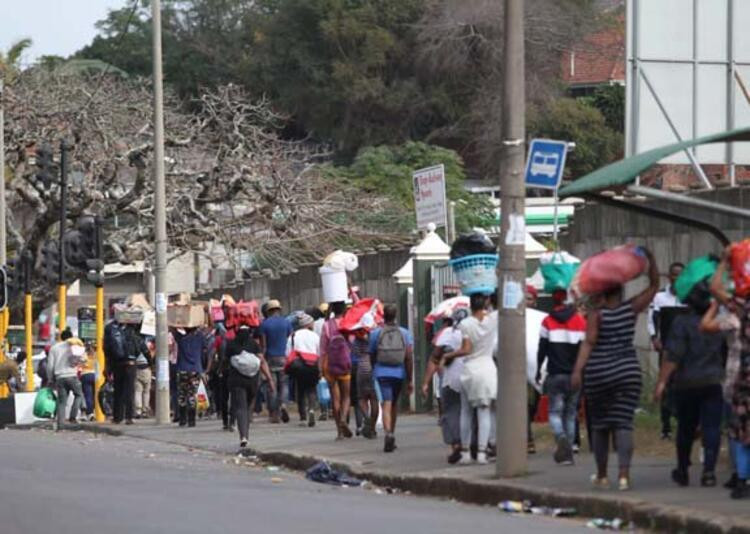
231	179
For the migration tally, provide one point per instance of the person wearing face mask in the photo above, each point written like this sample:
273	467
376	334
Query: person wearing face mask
694	360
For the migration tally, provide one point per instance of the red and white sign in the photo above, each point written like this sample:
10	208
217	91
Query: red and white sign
429	196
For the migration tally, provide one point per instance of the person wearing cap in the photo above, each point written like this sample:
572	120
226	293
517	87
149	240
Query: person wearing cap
302	364
275	332
62	372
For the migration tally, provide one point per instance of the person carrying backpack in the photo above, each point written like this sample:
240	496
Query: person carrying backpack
121	351
336	367
391	349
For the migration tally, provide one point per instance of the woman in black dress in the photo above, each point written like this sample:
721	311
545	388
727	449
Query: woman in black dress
608	366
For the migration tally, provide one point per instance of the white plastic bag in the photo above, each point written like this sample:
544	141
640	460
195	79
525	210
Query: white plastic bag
341	261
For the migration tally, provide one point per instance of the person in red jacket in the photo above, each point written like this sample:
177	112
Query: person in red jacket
560	337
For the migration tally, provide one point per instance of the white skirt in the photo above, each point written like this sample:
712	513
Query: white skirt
479	381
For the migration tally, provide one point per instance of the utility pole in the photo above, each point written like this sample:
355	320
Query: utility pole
99	285
3	244
160	231
511	273
61	289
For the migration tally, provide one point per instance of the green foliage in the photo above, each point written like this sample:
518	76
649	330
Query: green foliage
574	120
10	62
387	170
610	101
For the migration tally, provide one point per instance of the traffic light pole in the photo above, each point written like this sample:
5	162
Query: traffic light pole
61	289
100	364
28	310
160	230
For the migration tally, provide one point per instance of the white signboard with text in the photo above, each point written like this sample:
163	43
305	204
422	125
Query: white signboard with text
429	196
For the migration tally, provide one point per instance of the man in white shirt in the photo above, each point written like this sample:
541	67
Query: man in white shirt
662	312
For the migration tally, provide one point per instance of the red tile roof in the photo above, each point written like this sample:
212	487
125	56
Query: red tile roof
598	59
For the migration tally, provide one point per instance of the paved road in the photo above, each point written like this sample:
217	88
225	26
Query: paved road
78	483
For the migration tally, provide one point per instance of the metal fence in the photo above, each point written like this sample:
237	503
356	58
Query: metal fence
444	283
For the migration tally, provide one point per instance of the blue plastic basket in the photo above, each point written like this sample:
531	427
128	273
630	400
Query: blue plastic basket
476	273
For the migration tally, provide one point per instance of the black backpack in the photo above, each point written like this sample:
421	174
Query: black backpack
115	343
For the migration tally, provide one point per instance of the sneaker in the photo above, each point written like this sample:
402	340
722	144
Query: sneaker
465	458
389	445
599	483
482	458
576	448
454	457
732	482
311	418
708	479
358	431
563	452
680	477
92	418
531	448
491	451
128	421
284	415
623	484
666	436
243	443
741	490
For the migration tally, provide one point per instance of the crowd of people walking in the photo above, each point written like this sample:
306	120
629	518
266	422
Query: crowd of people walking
586	363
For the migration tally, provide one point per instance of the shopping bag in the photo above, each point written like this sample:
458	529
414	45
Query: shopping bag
45	404
201	398
324	393
558	269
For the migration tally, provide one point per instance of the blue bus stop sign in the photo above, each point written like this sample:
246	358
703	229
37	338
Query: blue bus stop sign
546	163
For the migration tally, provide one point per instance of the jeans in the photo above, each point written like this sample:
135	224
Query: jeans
280	378
694	406
88	383
142	391
563	406
124	391
741	454
65	386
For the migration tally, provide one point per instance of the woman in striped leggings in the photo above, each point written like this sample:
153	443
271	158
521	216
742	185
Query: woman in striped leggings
608	366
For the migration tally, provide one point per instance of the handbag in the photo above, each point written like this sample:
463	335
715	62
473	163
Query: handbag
246	363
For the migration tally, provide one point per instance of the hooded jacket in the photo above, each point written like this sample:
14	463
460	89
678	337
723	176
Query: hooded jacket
560	336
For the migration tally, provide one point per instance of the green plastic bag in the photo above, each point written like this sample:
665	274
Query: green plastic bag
697	270
558	269
45	404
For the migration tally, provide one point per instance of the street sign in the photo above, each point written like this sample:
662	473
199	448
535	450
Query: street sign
546	163
429	196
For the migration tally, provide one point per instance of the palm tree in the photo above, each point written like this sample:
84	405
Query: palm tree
10	61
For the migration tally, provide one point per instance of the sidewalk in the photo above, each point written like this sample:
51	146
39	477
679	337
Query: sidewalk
418	465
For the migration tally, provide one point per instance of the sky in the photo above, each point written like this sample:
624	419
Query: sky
58	27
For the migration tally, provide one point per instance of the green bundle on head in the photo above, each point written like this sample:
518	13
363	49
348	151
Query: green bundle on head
696	271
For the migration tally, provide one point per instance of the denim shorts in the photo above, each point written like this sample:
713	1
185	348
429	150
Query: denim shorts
390	388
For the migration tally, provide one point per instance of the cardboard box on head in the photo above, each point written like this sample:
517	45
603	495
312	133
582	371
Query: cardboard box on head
186	315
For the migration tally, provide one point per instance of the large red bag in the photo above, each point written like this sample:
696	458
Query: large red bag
609	269
739	261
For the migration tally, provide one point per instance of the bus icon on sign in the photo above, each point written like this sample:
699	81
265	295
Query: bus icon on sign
545	163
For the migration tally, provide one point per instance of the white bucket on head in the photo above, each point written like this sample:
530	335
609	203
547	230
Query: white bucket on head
335	286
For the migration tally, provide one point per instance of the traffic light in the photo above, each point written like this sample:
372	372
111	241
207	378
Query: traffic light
45	163
75	256
51	261
14	276
3	289
90	229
